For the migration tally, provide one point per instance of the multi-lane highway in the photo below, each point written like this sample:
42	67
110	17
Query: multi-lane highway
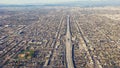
69	59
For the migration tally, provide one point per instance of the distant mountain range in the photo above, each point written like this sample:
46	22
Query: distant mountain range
74	3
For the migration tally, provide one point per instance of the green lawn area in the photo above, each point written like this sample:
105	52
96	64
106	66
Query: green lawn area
31	52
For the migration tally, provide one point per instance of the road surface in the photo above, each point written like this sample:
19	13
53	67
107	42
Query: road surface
53	44
69	45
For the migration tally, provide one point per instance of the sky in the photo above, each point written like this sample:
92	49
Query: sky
32	1
39	1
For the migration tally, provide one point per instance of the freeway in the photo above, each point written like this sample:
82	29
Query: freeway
69	55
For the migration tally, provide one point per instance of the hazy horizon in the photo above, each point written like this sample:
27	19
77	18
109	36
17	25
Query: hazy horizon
33	1
46	1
